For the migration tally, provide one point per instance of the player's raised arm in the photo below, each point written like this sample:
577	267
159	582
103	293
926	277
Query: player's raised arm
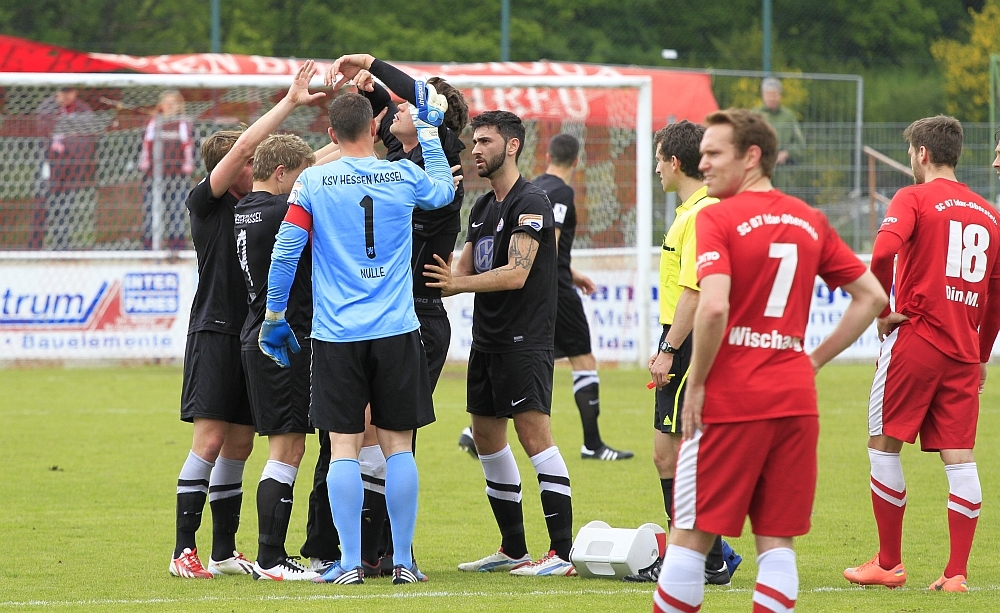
428	113
345	68
229	168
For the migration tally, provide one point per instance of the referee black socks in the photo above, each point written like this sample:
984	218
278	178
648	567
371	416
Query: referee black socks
503	489
586	391
557	501
667	485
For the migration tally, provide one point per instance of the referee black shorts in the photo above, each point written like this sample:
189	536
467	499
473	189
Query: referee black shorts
670	398
435	334
214	386
389	373
572	330
279	397
502	384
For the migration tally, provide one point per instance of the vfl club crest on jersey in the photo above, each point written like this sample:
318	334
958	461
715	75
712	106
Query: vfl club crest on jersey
499	229
483	254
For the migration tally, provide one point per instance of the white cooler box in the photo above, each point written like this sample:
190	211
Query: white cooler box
601	551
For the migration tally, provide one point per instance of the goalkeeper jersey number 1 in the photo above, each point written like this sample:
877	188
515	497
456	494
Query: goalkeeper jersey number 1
361	211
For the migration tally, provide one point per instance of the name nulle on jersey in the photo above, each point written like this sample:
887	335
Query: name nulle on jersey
394	176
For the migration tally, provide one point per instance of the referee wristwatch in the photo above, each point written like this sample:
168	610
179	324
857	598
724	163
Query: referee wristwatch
666	347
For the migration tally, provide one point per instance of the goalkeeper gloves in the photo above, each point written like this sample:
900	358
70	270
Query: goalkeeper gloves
428	111
276	338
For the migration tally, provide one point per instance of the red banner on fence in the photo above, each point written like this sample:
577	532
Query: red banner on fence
676	94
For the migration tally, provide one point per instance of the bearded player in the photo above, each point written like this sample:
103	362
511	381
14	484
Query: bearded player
936	342
750	423
509	262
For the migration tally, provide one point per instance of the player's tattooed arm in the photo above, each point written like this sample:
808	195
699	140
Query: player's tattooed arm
521	254
520	258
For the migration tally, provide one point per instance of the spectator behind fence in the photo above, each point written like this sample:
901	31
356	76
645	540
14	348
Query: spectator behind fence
67	174
791	142
176	134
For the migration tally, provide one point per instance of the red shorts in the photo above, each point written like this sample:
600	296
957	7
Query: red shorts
765	469
918	389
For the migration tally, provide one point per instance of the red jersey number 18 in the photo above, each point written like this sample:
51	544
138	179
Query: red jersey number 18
966	251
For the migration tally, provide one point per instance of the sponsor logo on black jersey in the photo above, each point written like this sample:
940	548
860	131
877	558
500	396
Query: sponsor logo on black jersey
483	254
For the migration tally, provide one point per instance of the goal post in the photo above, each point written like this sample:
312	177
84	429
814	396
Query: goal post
114	209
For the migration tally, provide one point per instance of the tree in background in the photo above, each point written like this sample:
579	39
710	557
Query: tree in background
888	41
966	66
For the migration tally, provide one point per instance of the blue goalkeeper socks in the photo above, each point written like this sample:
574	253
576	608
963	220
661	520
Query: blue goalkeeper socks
347	496
401	487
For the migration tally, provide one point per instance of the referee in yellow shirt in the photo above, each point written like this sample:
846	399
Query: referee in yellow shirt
677	160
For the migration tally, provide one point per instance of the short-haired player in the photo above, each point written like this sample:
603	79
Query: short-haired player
214	395
750	422
944	241
279	397
434	232
677	159
509	262
572	332
357	211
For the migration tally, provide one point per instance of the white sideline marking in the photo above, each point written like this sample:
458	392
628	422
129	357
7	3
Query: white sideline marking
318	597
403	596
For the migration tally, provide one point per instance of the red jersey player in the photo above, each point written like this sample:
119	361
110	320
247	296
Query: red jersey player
750	420
932	366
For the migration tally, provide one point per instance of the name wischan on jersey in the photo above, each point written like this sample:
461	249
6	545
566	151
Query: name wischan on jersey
772	246
951	242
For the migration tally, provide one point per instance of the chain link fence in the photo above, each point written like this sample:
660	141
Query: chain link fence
110	168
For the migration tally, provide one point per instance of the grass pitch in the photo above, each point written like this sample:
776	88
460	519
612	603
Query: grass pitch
89	461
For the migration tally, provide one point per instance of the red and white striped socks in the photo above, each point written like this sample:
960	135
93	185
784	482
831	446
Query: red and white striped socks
777	582
965	496
889	504
681	586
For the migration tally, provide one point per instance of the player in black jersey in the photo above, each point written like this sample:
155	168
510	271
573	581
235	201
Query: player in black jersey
279	397
572	330
434	232
509	261
214	394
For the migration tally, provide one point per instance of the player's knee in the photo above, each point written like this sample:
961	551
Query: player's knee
238	443
534	439
665	464
288	449
584	362
208	445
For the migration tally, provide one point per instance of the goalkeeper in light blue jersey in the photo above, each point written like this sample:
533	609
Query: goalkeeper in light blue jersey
366	341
